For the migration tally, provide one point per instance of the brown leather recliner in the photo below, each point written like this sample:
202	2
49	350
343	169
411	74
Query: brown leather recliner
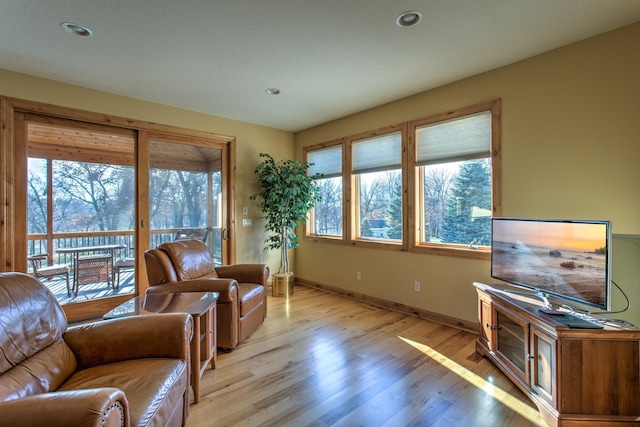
96	374
187	266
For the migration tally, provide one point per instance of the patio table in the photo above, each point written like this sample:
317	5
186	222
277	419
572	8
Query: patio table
76	251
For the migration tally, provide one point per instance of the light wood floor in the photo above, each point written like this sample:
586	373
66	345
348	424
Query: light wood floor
325	360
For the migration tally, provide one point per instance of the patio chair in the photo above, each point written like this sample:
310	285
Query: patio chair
93	269
123	264
41	270
192	234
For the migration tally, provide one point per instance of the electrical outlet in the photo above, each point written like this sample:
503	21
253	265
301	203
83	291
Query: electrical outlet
247	222
358	275
416	286
245	211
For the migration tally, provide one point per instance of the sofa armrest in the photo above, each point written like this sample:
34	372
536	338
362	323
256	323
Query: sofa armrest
245	273
74	408
145	336
227	288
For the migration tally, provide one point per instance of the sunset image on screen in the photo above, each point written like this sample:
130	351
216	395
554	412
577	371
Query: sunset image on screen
561	257
560	235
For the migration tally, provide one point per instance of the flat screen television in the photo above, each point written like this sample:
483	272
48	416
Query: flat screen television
569	259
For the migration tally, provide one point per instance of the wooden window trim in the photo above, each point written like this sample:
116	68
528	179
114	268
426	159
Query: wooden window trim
308	234
411	199
353	208
415	220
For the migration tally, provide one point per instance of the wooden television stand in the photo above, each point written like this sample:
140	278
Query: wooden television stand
576	377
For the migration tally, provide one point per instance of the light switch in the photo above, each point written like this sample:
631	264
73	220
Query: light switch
245	211
247	222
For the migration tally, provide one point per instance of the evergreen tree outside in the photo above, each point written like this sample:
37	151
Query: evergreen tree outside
470	197
365	228
394	213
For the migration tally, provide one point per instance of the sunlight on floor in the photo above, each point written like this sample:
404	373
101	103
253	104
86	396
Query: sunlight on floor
476	380
287	308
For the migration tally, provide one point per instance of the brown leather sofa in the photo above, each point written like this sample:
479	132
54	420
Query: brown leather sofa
124	372
187	266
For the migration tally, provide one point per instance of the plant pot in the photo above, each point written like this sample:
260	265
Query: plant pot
282	284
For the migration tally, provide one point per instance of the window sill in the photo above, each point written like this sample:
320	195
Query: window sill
460	251
324	239
456	251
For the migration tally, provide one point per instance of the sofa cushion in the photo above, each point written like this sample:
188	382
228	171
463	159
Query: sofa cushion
158	392
250	295
43	372
190	258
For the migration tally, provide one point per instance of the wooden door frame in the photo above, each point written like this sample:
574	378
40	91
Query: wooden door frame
13	219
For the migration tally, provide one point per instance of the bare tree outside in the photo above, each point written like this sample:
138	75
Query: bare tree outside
37	196
376	191
328	211
100	197
438	180
194	196
96	197
179	199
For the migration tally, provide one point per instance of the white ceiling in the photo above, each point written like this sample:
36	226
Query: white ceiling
329	58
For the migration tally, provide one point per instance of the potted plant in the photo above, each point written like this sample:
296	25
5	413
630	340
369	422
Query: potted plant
287	195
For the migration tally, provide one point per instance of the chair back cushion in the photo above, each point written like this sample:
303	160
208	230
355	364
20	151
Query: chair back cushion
159	267
191	259
35	359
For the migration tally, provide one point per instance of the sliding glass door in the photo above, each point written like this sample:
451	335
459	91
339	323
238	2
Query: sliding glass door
80	208
91	197
186	197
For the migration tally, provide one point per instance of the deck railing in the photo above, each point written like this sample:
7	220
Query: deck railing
39	243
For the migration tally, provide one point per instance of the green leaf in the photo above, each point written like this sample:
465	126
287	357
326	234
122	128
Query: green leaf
288	193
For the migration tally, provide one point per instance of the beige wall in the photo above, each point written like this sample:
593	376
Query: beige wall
570	149
250	141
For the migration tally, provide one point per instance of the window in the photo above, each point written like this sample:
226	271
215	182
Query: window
326	217
455	178
430	185
377	188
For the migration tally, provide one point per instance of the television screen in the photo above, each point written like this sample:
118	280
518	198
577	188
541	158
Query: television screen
566	258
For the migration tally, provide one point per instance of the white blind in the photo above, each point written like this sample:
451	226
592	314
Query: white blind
462	138
377	154
327	161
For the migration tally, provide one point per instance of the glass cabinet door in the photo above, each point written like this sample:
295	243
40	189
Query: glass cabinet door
512	342
485	316
543	367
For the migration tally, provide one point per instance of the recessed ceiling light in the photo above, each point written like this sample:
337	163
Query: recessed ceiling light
75	29
273	91
408	19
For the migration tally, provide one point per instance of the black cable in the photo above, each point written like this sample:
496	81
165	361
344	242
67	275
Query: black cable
619	311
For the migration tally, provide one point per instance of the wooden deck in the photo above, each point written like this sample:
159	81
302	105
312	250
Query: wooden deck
58	286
